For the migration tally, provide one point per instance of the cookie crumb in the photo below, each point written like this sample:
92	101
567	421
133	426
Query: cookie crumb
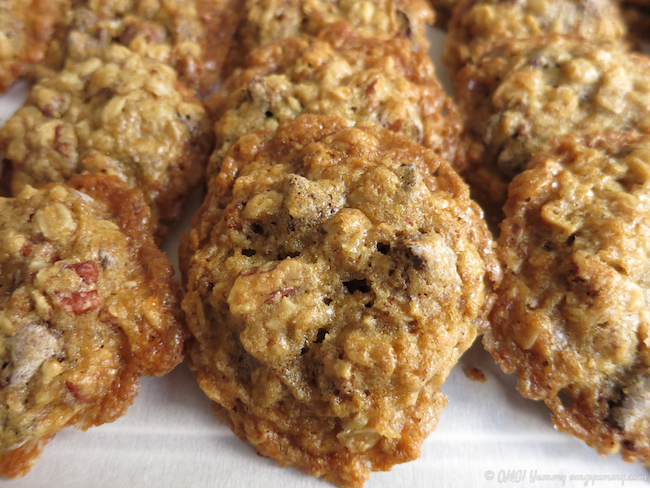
475	374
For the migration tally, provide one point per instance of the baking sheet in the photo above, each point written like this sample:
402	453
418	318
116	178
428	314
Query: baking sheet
488	435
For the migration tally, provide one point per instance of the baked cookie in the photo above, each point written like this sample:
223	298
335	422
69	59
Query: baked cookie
477	24
118	114
572	318
516	98
26	29
194	36
363	81
87	307
335	276
265	21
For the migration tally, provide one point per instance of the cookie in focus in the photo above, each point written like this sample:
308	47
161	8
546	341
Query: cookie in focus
335	275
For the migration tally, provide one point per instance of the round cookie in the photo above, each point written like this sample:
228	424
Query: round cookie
477	24
572	318
118	114
27	27
335	275
523	93
194	36
87	307
362	81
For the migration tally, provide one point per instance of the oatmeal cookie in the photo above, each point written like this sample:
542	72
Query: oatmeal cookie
26	28
477	24
335	276
87	307
572	318
363	81
267	21
516	98
118	114
194	36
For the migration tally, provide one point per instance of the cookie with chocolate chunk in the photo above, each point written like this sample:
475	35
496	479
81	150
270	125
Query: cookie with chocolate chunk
363	81
572	318
335	275
87	306
118	114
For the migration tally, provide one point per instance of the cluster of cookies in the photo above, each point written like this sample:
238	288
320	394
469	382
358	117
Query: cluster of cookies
556	128
337	267
110	142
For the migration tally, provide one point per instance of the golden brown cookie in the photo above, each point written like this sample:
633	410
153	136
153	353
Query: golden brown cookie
335	276
26	29
118	114
477	24
87	307
194	36
572	318
363	81
265	21
516	98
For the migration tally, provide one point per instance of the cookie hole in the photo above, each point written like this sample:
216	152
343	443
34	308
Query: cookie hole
391	272
357	285
257	228
383	248
565	398
369	304
304	350
248	252
284	255
571	240
548	246
268	114
327	301
320	336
